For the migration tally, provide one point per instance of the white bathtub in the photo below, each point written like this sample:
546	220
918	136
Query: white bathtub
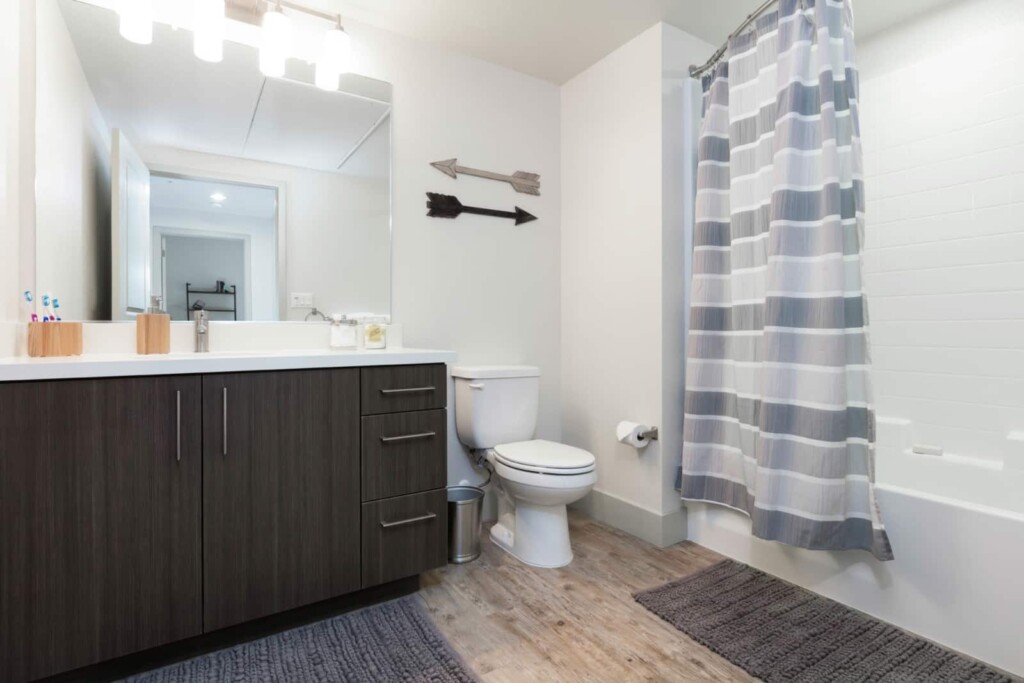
990	485
957	530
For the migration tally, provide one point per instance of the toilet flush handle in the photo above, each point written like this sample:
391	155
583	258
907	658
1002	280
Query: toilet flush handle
476	385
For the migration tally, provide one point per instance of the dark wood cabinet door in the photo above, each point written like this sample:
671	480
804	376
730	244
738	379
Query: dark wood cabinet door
280	491
404	536
99	520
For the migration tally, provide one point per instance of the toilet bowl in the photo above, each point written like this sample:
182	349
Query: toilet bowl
496	414
532	523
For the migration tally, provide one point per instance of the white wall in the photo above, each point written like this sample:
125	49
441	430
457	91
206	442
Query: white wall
9	175
943	132
624	181
17	111
478	285
72	182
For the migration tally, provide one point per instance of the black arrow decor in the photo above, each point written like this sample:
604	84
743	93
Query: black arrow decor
447	206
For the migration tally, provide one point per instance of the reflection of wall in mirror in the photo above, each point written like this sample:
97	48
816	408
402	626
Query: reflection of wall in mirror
338	237
72	177
257	284
202	261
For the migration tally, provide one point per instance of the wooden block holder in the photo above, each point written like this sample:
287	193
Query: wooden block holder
152	333
54	339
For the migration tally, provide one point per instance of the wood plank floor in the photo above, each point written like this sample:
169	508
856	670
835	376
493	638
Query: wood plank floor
511	622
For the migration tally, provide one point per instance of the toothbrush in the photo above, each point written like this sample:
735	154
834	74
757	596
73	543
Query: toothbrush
56	305
46	308
31	307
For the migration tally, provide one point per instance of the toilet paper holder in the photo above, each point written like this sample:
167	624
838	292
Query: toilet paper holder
635	434
650	435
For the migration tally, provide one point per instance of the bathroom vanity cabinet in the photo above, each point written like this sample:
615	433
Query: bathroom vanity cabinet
136	512
280	491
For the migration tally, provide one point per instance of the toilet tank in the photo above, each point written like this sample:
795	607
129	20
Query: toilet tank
495	404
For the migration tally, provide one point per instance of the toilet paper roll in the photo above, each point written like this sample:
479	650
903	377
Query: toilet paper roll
630	433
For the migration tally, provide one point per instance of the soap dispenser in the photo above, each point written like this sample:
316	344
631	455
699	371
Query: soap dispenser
153	329
343	332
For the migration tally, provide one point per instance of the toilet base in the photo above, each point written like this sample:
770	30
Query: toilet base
537	535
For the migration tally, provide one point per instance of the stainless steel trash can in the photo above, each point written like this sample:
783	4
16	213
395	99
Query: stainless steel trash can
465	504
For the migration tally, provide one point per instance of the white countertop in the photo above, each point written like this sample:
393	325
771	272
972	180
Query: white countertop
23	369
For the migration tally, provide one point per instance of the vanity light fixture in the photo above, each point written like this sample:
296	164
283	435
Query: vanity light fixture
275	42
209	27
208	30
335	58
136	21
218	197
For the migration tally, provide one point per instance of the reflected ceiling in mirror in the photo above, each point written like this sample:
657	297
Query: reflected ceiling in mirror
161	94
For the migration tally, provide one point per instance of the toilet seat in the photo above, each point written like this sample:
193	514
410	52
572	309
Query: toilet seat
545	457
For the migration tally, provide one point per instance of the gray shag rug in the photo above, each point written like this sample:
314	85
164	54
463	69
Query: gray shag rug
394	641
779	632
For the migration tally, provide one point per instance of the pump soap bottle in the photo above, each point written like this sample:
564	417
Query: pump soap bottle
153	329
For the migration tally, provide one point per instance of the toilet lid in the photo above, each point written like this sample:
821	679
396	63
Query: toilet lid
545	456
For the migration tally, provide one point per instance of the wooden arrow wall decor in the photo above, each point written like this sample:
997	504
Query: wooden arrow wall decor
521	181
447	206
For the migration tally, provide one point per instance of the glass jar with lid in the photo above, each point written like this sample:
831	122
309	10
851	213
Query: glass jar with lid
375	333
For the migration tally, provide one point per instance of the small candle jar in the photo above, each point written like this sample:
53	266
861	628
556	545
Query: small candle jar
375	333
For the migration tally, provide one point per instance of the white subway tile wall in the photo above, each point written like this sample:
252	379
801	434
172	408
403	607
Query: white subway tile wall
942	121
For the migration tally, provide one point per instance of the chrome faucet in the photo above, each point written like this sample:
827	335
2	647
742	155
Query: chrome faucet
202	320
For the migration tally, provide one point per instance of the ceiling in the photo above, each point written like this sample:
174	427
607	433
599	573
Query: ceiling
161	95
189	194
557	39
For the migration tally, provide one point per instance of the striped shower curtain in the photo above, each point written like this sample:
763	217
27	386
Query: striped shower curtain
779	421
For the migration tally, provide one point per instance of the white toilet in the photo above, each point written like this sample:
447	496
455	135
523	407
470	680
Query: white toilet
496	412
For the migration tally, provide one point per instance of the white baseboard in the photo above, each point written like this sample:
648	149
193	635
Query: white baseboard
657	529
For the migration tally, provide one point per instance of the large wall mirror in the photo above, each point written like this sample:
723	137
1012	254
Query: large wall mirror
208	184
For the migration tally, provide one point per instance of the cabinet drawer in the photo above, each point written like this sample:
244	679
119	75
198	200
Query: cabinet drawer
398	388
404	453
404	536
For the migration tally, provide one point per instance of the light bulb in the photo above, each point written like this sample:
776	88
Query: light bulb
136	21
334	59
275	43
208	30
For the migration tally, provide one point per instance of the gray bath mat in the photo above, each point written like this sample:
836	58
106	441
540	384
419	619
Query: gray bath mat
779	632
394	641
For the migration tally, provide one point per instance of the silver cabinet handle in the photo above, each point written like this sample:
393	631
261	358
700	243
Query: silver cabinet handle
411	520
410	390
179	425
225	420
407	437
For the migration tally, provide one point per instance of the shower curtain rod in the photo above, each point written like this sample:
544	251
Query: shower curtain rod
698	70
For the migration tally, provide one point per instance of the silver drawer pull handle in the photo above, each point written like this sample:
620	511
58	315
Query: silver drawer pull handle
407	437
179	425
225	424
410	390
411	520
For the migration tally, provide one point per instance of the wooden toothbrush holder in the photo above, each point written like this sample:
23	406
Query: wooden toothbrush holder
54	339
152	333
